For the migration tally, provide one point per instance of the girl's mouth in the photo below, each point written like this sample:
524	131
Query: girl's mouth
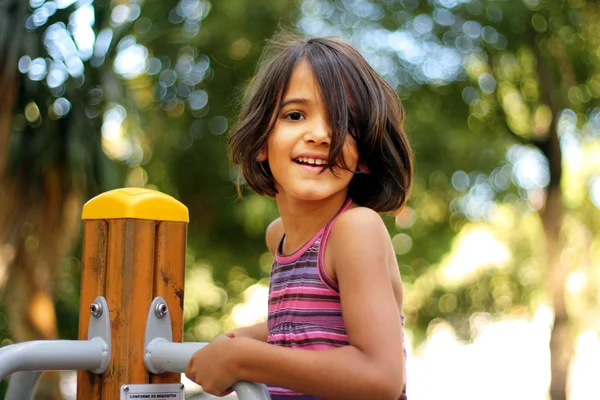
311	162
312	165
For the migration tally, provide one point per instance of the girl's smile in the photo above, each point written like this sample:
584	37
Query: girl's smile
312	162
299	144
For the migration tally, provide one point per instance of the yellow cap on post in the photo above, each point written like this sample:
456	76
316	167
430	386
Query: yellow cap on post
136	203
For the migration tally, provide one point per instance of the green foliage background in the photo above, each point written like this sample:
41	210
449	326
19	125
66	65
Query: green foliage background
485	84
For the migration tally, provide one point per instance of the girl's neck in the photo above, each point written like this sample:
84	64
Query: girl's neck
302	219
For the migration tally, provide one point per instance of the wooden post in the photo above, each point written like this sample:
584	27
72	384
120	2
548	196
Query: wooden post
134	250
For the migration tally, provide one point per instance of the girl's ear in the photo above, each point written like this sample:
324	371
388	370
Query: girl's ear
262	155
364	169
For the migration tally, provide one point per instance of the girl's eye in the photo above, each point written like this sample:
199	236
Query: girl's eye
294	116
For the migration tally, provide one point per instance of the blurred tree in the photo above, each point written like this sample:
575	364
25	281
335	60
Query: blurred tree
83	81
504	87
105	94
49	159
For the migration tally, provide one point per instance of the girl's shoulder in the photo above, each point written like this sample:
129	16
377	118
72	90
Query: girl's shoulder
361	226
357	219
273	235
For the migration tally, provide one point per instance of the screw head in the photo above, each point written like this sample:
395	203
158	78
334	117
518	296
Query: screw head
126	389
96	309
161	310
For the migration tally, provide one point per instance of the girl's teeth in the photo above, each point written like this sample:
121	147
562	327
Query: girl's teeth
312	161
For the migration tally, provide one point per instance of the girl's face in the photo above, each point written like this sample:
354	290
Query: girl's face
298	146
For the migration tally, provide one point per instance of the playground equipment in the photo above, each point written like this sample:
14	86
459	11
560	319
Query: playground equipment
131	307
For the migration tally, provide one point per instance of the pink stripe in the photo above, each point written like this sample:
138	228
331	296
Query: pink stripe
298	289
325	278
295	255
313	346
313	333
302	289
294	304
316	334
318	346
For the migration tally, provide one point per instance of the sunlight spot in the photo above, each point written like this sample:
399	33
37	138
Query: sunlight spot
594	186
406	218
61	107
37	69
474	248
24	64
240	49
64	3
120	14
32	112
131	61
402	243
576	281
254	307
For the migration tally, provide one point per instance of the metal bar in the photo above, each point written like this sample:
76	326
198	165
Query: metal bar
22	385
46	355
162	355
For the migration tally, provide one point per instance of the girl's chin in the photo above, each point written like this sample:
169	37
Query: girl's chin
309	195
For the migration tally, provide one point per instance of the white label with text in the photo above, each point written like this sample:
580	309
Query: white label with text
156	391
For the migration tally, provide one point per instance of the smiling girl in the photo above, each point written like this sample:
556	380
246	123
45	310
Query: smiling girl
321	132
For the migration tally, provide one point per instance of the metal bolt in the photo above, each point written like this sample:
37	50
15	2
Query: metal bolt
182	386
96	309
126	389
161	310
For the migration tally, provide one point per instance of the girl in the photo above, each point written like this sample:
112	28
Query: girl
321	132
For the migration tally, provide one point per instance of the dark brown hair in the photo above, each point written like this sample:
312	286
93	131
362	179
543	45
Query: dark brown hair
359	102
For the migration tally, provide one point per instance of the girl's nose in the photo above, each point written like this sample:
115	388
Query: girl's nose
318	133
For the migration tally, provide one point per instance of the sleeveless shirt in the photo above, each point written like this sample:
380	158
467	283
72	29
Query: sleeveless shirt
304	304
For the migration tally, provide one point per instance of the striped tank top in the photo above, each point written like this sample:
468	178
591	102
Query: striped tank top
304	304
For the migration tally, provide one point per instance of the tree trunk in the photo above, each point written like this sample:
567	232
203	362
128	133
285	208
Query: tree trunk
37	226
561	337
40	232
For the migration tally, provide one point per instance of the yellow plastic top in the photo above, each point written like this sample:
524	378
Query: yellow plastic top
136	203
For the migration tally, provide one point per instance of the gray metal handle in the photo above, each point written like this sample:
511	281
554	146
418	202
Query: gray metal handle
26	359
22	385
47	355
162	355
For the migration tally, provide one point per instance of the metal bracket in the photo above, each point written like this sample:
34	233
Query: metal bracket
99	330
158	324
158	329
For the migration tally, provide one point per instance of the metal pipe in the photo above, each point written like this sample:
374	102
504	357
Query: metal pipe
22	385
46	355
162	355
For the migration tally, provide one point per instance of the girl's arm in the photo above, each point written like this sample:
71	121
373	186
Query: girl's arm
257	332
371	367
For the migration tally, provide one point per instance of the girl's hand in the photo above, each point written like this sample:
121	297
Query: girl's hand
225	336
211	366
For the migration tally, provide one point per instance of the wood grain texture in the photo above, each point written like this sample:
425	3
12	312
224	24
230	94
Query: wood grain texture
169	277
128	294
93	278
130	262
